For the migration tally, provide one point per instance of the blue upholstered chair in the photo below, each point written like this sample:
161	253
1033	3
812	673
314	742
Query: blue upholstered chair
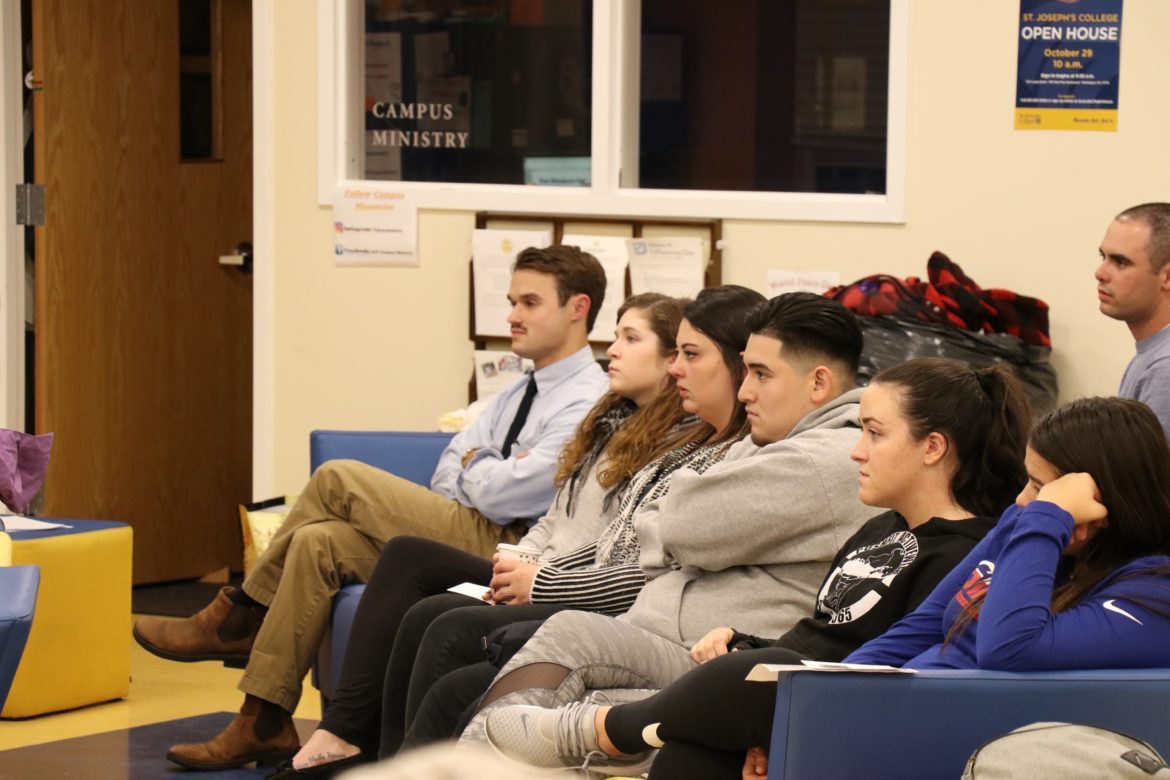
412	456
925	725
18	599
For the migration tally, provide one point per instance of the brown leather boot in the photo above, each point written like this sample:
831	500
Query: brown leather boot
221	631
262	732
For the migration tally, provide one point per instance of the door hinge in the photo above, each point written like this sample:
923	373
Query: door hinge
30	204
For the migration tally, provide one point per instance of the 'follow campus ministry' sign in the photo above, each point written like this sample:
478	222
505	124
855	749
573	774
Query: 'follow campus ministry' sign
1069	63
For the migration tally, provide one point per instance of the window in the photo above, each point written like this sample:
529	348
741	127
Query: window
199	66
478	92
780	96
758	109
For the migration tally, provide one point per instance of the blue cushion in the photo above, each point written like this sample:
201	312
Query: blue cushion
327	673
18	599
409	455
926	725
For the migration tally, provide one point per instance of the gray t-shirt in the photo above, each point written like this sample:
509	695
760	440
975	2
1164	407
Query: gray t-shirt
1147	377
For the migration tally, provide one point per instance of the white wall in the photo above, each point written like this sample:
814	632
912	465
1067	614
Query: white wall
388	348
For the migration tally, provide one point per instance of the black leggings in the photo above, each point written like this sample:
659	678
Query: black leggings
708	718
409	569
448	705
438	635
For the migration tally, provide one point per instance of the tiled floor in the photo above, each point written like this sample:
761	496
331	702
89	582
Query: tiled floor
159	691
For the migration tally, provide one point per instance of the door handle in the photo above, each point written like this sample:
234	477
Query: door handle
240	257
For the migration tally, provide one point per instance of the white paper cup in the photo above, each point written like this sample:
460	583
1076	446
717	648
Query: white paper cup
514	552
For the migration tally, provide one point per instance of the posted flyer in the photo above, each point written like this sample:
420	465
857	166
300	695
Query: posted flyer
1069	64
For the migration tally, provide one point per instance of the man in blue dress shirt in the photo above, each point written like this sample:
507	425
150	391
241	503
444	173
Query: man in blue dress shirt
493	481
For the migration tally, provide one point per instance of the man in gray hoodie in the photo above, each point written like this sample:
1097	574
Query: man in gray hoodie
746	543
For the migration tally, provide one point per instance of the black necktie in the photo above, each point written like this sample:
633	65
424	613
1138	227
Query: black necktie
521	416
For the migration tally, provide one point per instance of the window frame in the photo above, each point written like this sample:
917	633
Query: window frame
616	26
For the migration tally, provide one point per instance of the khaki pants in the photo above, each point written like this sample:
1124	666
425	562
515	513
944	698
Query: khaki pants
332	537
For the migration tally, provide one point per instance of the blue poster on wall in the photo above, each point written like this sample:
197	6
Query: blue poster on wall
1069	63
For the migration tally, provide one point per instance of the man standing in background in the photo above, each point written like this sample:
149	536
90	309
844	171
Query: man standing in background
1133	285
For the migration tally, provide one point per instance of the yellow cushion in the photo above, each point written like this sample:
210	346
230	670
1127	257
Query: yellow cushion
5	549
78	651
260	522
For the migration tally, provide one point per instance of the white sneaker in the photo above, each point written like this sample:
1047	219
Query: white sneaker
560	739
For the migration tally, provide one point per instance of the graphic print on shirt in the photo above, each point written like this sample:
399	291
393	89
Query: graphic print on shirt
858	583
976	585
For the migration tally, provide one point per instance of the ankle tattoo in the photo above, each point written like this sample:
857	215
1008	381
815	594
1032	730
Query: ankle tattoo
323	758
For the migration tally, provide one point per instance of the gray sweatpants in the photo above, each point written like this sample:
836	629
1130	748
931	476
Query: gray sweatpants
600	651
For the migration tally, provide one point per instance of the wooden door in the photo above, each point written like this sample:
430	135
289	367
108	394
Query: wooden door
144	348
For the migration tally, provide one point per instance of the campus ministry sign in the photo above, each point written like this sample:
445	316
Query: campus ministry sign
430	115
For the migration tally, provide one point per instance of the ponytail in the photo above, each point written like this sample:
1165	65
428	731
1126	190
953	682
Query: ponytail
999	473
984	415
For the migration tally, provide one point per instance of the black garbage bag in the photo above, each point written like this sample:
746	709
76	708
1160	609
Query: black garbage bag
893	340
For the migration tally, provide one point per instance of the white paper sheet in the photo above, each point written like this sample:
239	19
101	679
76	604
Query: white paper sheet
383	85
430	55
673	266
492	255
22	523
374	227
613	254
769	672
469	589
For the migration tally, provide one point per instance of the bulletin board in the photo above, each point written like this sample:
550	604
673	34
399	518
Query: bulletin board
709	231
